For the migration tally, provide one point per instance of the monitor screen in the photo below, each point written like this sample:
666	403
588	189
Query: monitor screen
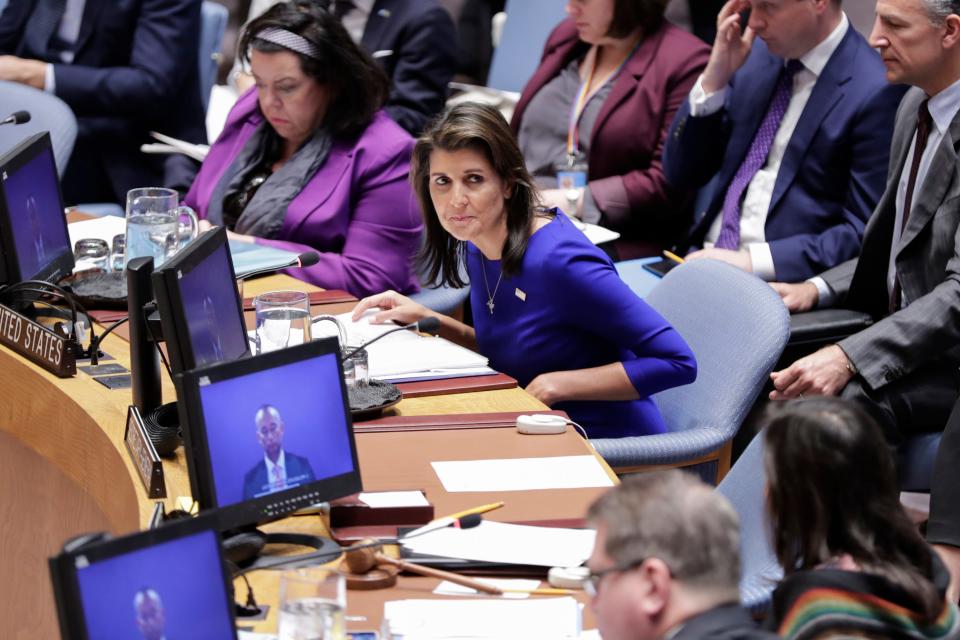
35	243
269	434
165	583
199	304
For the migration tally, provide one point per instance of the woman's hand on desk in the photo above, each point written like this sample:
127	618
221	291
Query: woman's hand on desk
394	306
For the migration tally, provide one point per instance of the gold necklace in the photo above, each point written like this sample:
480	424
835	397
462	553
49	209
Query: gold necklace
490	296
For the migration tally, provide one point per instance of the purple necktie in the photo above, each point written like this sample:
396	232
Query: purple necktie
729	237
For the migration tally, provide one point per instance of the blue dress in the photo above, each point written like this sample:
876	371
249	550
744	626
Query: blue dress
568	309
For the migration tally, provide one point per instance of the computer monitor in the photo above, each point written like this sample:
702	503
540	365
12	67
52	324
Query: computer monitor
34	241
200	308
169	582
270	434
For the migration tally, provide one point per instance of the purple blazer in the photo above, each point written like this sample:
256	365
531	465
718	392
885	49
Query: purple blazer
358	212
625	173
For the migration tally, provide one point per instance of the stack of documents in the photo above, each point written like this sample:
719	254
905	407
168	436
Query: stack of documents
503	543
406	355
546	618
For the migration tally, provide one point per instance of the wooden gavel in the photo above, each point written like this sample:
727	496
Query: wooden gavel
365	558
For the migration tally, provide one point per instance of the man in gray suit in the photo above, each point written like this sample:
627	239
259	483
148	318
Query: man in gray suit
903	368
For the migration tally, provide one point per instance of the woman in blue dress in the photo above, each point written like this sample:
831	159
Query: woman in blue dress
548	307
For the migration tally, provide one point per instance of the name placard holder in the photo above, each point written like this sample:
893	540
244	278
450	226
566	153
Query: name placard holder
37	343
144	455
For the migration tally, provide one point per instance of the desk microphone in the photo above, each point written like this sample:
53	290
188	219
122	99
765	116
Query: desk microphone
17	117
307	259
429	325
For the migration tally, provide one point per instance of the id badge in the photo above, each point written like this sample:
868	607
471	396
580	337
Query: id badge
573	177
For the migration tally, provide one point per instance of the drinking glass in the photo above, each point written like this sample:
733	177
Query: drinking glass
117	251
283	320
312	604
155	226
356	368
91	253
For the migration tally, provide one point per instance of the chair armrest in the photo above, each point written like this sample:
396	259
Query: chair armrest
661	448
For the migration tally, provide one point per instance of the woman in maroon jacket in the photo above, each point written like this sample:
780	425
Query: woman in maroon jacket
593	118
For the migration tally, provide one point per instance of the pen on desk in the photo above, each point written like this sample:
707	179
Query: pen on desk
475	511
446	521
673	256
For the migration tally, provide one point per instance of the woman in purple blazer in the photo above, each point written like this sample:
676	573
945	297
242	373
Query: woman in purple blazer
611	79
309	161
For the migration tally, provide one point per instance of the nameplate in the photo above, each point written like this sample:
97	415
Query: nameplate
144	455
37	343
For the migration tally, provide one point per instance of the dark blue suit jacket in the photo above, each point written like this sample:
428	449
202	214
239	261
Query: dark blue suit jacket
255	481
135	70
423	39
833	171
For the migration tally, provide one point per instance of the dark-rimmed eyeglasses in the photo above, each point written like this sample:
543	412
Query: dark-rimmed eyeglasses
591	583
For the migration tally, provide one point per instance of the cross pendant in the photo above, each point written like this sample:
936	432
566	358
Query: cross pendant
490	305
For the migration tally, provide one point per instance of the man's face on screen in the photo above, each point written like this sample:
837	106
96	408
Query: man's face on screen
270	433
150	618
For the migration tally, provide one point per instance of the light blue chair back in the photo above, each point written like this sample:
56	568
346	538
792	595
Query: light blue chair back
443	299
47	113
737	327
529	23
213	24
744	488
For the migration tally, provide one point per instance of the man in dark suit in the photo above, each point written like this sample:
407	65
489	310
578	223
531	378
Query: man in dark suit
666	562
792	131
279	469
904	367
125	67
416	42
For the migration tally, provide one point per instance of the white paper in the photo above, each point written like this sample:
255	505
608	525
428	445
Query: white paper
250	635
404	352
597	234
447	588
196	151
542	618
382	499
508	543
104	228
522	474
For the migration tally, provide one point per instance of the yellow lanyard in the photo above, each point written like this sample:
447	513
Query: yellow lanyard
584	94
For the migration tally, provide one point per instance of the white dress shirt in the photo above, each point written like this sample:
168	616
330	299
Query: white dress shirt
943	109
69	31
759	193
355	20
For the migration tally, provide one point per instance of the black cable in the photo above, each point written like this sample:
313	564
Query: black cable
153	339
95	341
48	288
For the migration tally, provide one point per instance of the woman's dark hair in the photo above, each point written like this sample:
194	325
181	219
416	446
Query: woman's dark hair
629	15
358	84
481	129
832	490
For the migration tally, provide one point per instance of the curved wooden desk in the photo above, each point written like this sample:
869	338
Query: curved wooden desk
65	470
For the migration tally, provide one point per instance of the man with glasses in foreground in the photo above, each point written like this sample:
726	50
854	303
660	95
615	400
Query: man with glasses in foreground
666	562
